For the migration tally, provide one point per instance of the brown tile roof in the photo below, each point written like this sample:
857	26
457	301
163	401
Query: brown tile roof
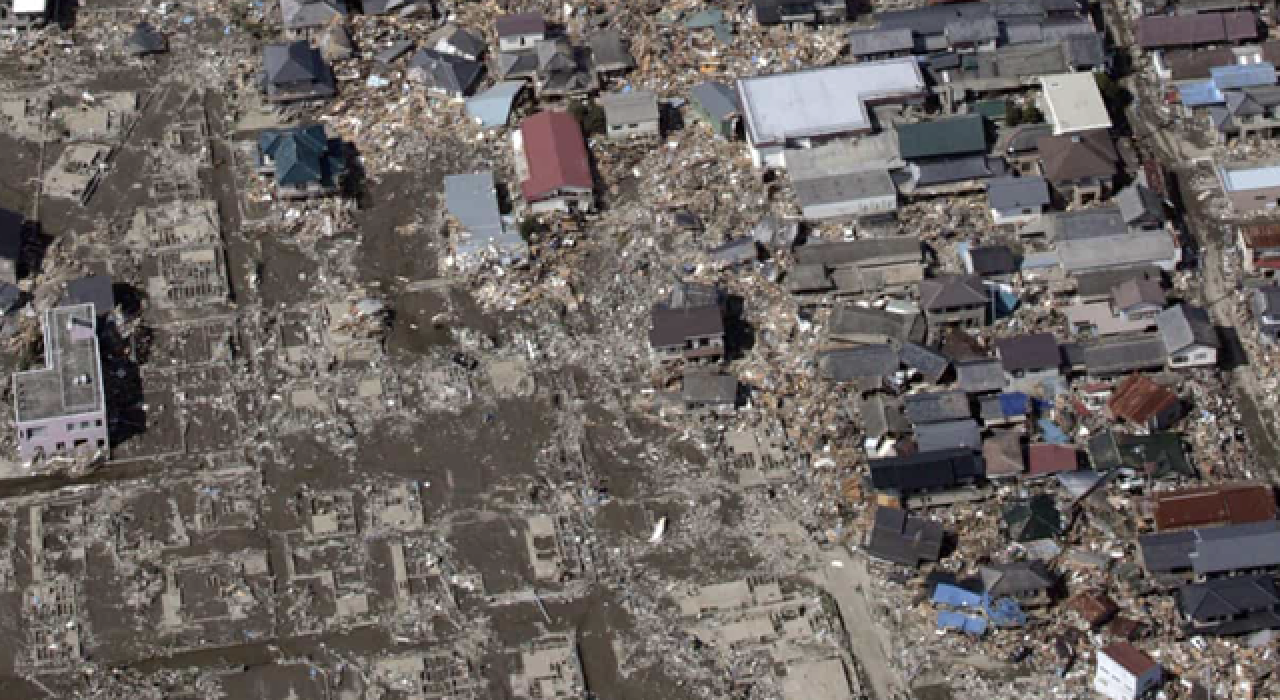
1002	453
1133	659
1222	504
1138	399
1094	607
1051	459
1077	156
1194	64
1261	236
1154	32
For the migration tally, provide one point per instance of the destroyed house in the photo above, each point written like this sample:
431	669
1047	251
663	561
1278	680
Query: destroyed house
296	71
1028	582
1206	553
867	325
799	109
691	333
1156	456
303	161
904	539
869	365
1141	207
1221	504
716	104
551	160
1144	404
61	408
927	471
472	201
1037	518
864	266
445	75
398	8
709	391
145	40
1230	606
302	15
453	40
769	12
95	290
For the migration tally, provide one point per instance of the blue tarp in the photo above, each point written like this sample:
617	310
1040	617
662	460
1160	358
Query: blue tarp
969	624
1200	94
1015	403
956	597
1006	613
1242	76
1052	433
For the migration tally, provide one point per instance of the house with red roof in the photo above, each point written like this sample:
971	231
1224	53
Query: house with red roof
552	164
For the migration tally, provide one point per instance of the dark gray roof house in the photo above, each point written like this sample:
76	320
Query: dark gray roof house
980	376
1021	580
949	435
1184	327
1011	193
457	41
882	416
12	224
937	407
1140	207
927	471
1231	606
862	363
1035	352
904	539
296	71
1084	224
709	390
876	43
990	260
931	365
609	53
672	326
1124	354
951	291
144	40
1212	551
445	74
93	289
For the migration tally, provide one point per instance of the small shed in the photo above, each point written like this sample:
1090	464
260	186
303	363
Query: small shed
717	105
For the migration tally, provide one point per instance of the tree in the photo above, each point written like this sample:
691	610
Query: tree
1012	113
590	117
1031	114
1113	93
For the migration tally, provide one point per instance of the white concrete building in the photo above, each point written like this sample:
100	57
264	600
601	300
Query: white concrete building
806	108
1125	672
1072	103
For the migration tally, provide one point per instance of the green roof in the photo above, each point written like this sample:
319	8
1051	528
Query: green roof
945	137
991	109
1036	519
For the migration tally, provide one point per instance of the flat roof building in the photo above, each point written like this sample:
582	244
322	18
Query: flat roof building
795	108
62	408
1073	103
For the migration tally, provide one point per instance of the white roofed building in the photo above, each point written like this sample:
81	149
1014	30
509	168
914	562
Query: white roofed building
805	108
23	13
1072	103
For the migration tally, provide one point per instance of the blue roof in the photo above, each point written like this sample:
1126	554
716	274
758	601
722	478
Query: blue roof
970	624
1242	76
1006	613
1052	433
1200	94
493	106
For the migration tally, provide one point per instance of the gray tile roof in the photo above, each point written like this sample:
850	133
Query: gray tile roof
609	52
1184	326
847	187
1225	599
948	435
719	101
1139	204
1214	550
867	42
1035	351
452	74
630	107
1085	224
979	376
932	365
937	407
1017	192
709	387
307	14
1124	354
462	40
904	539
859	363
868	251
952	291
1016	578
882	416
850	320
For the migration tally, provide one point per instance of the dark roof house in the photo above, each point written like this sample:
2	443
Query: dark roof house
904	539
144	40
296	71
1035	352
942	138
1072	157
303	160
445	74
1034	519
